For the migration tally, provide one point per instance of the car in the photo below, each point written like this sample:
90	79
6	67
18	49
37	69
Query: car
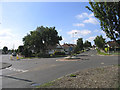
87	49
14	54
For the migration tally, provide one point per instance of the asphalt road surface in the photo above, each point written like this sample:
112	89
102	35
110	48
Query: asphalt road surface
24	73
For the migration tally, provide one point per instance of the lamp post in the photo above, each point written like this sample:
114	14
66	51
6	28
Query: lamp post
73	36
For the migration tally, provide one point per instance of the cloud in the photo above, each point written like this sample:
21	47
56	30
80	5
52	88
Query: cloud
8	38
83	15
91	20
6	33
88	18
79	32
100	31
79	24
59	30
91	15
96	30
91	38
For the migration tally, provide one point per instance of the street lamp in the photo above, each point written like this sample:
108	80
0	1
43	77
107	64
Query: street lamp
73	36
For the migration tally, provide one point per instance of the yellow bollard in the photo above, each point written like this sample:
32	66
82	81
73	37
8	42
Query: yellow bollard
11	57
17	57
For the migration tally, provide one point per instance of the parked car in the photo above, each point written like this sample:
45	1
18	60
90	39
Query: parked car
87	49
14	54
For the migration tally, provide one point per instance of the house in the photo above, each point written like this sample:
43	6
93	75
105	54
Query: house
52	49
113	46
68	47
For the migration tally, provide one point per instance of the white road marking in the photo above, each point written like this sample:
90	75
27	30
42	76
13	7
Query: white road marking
102	63
17	70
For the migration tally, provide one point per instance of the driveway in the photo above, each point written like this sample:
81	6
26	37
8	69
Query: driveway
24	73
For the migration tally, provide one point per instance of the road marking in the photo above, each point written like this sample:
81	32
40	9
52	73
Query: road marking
17	70
102	63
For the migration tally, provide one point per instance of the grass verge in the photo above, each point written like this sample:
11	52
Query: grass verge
45	85
102	53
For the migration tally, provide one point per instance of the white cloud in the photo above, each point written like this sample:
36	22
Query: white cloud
78	33
84	15
99	31
6	33
59	30
79	24
91	38
88	18
96	30
91	15
91	20
8	38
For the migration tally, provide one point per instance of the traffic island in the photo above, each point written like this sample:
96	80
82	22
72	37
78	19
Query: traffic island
72	58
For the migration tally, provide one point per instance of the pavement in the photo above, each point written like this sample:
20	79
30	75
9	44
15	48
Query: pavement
27	72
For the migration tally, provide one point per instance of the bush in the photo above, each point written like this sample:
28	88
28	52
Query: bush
72	75
98	50
27	53
42	55
58	53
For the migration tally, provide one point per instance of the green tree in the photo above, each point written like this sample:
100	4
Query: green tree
99	42
40	39
20	49
109	15
5	49
87	44
79	46
49	36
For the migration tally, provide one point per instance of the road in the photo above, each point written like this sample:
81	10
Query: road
24	73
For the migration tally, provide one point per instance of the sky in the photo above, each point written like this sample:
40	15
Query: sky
71	19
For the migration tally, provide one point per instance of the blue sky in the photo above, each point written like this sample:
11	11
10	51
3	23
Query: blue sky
19	18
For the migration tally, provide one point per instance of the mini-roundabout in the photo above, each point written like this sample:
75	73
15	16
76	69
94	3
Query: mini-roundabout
70	58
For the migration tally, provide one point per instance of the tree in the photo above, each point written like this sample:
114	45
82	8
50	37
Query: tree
99	42
5	49
87	44
109	15
20	49
49	36
79	46
80	43
40	39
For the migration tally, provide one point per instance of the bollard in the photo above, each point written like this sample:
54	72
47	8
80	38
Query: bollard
11	57
17	57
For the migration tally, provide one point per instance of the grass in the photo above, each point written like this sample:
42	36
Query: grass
59	56
115	53
72	75
27	57
102	53
46	84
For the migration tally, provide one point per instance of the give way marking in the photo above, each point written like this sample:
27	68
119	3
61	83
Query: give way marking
17	70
